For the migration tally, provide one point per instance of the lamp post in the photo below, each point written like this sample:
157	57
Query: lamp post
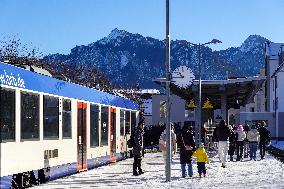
168	79
214	41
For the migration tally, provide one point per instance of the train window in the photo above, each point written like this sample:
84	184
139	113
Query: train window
7	115
50	117
104	126
94	125
127	122
29	116
133	120
121	122
66	119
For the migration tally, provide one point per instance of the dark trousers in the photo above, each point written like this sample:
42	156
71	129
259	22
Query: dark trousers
231	150
240	148
201	167
262	149
137	164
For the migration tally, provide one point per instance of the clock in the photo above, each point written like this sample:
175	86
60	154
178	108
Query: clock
182	77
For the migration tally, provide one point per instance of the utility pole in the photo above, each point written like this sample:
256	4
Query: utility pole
168	80
200	97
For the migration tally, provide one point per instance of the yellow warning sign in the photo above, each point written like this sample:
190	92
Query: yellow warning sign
207	104
191	104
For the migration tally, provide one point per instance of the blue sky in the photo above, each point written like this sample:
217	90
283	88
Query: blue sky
56	26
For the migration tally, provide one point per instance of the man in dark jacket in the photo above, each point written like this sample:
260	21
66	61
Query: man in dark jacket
222	134
264	138
186	144
232	143
137	149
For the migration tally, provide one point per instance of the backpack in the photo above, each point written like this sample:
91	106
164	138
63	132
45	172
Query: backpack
131	142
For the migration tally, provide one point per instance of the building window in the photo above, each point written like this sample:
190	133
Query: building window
50	117
122	123
275	82
104	125
66	119
251	109
94	125
127	122
29	116
7	115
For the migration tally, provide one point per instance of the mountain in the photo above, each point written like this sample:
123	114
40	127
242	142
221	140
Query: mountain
132	59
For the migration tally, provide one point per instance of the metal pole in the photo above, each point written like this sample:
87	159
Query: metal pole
168	127
200	97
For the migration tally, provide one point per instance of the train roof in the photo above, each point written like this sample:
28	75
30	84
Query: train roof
20	78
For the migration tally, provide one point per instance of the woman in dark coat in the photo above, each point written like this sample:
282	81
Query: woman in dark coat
187	146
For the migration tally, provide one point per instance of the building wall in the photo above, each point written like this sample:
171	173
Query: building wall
260	116
177	109
275	94
280	104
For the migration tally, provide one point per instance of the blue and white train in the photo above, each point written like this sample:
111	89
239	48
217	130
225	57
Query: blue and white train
51	128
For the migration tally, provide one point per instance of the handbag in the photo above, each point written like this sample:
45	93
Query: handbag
186	147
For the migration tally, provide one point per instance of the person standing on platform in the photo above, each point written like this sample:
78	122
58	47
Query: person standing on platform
264	138
240	137
186	144
202	159
253	139
222	134
137	149
232	143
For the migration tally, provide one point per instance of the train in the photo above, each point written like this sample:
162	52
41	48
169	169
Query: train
51	128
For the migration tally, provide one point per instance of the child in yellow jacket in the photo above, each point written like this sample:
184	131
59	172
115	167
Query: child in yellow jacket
202	158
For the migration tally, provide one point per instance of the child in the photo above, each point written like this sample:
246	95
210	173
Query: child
202	158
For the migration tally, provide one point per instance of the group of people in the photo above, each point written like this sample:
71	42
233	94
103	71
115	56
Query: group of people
241	140
186	143
231	140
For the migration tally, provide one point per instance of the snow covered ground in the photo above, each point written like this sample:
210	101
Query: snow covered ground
267	173
279	144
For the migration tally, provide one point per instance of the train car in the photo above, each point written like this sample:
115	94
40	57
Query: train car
51	128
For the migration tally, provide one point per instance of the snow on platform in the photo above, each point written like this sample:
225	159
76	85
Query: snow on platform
267	173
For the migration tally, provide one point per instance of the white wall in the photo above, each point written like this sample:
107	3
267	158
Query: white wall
177	109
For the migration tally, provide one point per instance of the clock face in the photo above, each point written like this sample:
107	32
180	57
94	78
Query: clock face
182	77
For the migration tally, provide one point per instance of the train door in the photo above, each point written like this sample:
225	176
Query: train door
81	136
112	133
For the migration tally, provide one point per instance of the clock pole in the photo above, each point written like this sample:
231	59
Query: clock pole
168	79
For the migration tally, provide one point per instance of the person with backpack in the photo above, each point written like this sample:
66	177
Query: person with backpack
264	138
137	148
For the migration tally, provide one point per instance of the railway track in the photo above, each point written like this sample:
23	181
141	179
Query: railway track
277	153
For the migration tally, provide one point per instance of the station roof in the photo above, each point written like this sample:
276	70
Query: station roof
239	91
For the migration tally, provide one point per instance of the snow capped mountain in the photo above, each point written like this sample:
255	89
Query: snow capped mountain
130	59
